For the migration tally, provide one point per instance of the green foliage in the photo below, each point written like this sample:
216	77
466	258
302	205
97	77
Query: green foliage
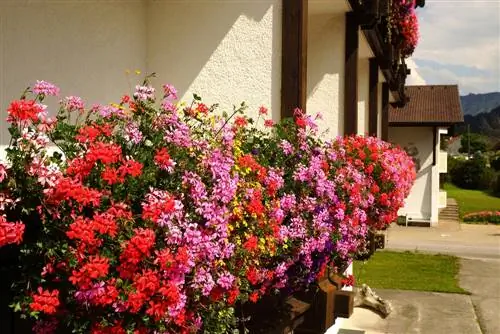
472	173
478	143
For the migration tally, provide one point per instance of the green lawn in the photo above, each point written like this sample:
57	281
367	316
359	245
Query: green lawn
409	271
472	200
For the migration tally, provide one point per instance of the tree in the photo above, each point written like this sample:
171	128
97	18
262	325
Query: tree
477	143
472	173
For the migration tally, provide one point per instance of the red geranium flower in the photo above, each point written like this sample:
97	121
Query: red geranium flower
24	110
45	301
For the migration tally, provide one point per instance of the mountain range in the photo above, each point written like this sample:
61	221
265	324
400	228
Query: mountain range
474	104
482	114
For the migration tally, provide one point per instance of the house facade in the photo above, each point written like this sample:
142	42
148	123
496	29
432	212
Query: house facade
327	56
333	57
417	127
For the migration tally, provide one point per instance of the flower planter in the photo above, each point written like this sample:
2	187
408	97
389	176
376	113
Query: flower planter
310	311
328	302
272	314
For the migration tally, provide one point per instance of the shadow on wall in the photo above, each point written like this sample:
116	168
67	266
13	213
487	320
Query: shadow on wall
325	58
424	175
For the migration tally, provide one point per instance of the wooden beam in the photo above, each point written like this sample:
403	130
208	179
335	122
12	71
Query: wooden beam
385	111
351	75
434	144
294	57
373	98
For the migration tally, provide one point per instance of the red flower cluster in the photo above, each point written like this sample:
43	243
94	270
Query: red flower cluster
45	301
157	204
70	189
83	229
248	161
10	233
96	267
251	243
24	110
90	133
134	250
163	160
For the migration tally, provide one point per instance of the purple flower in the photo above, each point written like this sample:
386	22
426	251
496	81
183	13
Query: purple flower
108	111
45	88
132	133
286	147
203	280
144	93
72	103
226	280
169	91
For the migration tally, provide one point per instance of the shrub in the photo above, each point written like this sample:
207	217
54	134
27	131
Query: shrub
162	218
483	217
472	173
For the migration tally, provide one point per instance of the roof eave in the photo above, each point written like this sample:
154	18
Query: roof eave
424	124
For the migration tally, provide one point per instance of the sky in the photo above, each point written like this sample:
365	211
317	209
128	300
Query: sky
459	44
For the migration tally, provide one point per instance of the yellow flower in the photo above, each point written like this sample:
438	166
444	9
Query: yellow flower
116	106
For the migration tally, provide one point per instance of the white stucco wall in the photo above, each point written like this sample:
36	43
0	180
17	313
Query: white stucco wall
424	196
325	71
225	51
82	46
363	95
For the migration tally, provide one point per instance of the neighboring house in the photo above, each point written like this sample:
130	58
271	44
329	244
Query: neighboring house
417	127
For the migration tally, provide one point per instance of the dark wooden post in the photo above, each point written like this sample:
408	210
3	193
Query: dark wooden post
294	57
385	111
351	74
373	98
321	315
434	144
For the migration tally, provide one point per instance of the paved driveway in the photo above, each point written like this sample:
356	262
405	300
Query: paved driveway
416	312
481	277
466	240
428	312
